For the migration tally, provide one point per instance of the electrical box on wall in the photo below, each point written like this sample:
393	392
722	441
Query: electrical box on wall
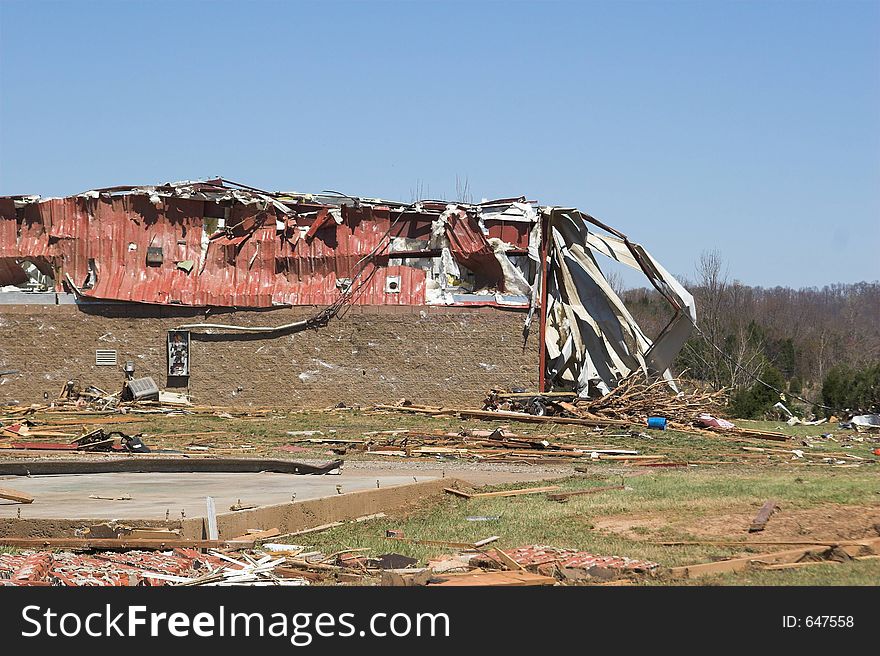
178	353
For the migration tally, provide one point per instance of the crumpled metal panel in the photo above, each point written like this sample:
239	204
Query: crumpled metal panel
11	273
254	267
470	247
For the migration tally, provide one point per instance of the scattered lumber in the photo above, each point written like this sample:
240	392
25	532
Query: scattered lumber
636	398
15	495
763	516
751	543
733	434
852	549
84	544
741	564
503	414
257	534
808	563
314	529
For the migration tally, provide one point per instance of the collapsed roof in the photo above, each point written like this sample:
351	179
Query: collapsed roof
219	243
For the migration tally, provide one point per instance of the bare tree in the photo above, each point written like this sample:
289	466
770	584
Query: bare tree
419	192
463	190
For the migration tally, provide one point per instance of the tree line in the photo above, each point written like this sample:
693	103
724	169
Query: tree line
822	345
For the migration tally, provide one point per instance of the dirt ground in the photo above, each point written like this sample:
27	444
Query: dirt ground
831	522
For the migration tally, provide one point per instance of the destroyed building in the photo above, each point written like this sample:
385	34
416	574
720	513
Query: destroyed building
240	296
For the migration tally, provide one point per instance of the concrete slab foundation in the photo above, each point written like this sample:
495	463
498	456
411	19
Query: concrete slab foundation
180	494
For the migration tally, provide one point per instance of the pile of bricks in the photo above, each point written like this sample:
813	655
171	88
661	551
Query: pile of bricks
538	556
131	568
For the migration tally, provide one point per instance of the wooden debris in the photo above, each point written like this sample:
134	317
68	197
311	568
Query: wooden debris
504	578
749	543
438	543
211	519
15	495
147	533
505	493
854	549
741	564
503	414
314	529
636	398
259	534
508	561
85	544
563	496
763	516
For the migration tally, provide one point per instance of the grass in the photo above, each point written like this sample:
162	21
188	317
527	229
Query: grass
674	496
673	503
264	436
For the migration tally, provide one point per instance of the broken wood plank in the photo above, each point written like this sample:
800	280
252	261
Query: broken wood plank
508	561
146	533
436	543
512	578
514	493
808	563
211	519
760	520
504	414
121	543
257	534
748	543
458	493
616	457
563	496
741	564
15	495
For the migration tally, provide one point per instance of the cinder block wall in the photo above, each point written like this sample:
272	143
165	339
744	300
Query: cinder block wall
372	355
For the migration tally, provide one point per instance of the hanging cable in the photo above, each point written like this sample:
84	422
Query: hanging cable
323	317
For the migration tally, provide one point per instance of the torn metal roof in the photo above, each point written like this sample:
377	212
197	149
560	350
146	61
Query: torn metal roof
219	243
215	244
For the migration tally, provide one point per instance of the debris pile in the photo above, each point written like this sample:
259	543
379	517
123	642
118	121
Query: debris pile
288	564
525	565
546	559
632	401
27	434
635	398
499	445
131	568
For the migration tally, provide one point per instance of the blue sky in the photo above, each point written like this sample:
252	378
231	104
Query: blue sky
752	128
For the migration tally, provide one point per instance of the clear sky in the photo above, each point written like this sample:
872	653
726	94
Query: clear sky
748	127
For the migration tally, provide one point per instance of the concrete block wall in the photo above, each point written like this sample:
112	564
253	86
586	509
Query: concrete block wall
375	354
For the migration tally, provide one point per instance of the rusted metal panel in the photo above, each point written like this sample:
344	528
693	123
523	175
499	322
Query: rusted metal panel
267	252
469	246
11	273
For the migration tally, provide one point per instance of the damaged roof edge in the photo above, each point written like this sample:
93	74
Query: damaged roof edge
220	243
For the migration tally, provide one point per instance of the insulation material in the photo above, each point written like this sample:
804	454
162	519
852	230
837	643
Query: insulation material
592	340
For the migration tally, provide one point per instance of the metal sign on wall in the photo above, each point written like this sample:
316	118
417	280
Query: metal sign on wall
178	353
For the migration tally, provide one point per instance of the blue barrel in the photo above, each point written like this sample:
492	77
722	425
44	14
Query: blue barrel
657	422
